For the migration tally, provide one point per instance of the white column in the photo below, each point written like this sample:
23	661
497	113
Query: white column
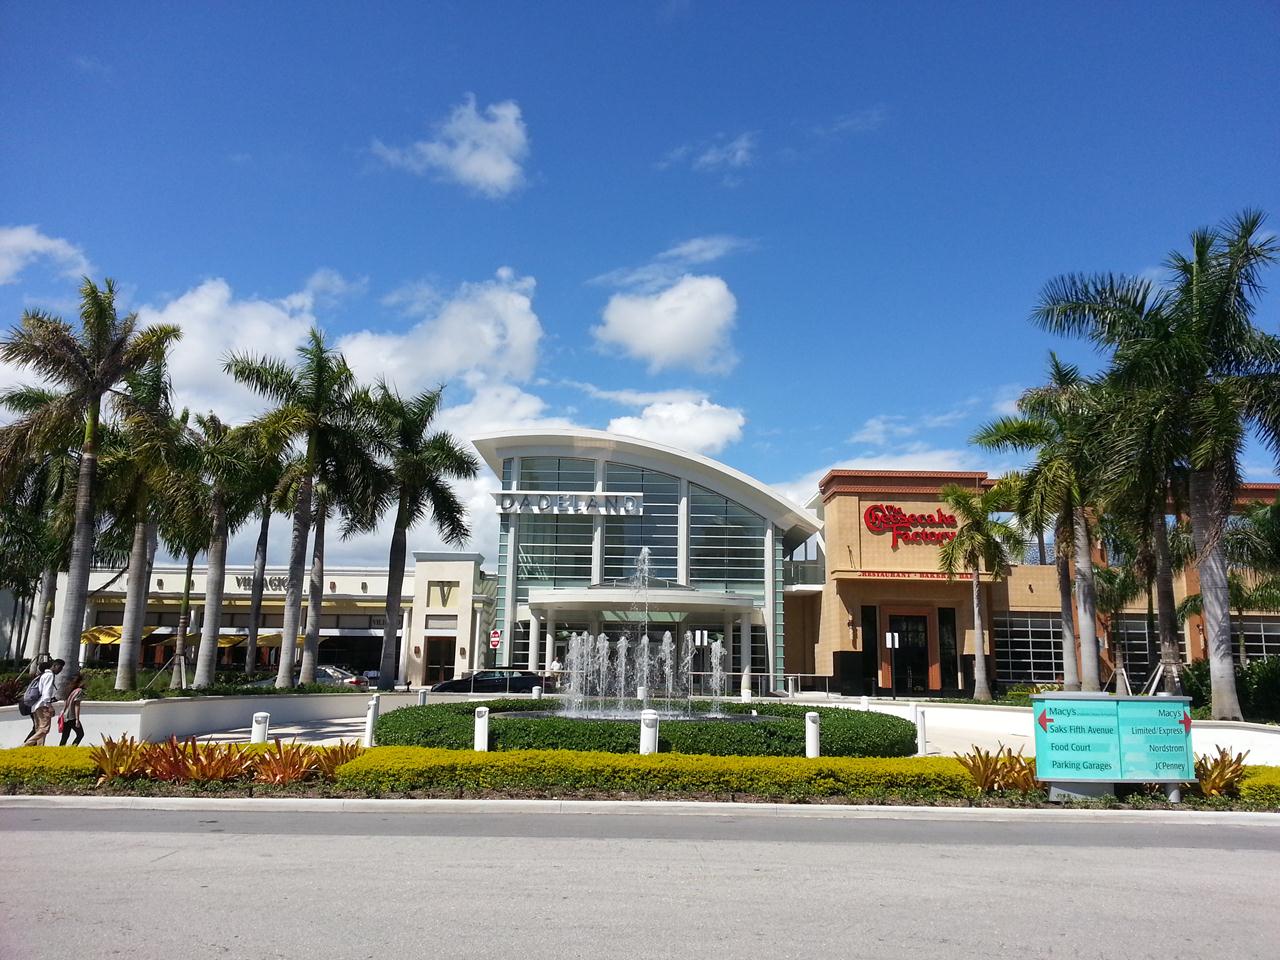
682	534
478	637
406	637
597	531
534	629
770	609
744	652
551	640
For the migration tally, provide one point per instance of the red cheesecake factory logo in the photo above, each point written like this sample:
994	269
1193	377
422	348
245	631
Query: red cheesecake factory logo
908	527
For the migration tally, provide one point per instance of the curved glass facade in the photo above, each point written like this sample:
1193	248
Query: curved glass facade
726	545
658	528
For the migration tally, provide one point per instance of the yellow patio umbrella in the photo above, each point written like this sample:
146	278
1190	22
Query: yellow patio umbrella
273	640
108	636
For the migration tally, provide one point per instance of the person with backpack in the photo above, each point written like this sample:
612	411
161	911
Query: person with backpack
69	719
39	699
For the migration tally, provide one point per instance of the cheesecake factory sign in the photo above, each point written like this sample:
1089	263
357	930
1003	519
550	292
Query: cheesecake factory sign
909	528
590	504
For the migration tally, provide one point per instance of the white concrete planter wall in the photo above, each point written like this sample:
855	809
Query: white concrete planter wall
1262	741
157	720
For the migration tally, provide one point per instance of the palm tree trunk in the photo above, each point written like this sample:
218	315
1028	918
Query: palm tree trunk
68	646
259	579
1118	652
215	577
315	599
981	686
48	599
28	612
1206	528
1167	612
1040	545
184	624
135	607
395	585
1066	612
1087	601
293	591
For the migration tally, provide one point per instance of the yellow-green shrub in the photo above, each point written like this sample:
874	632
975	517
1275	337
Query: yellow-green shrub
41	765
401	769
1261	786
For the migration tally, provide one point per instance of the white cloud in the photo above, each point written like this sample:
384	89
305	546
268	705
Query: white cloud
480	151
877	431
686	325
215	323
691	424
729	154
917	457
21	245
722	155
667	267
1005	401
636	398
485	329
859	121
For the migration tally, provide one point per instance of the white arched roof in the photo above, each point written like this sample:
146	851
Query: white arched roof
798	523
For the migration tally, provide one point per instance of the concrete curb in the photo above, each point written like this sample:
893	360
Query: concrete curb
637	808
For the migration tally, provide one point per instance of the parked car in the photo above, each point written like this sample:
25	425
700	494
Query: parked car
327	675
491	681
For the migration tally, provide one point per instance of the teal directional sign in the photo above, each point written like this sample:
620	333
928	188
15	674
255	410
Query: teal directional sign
1087	736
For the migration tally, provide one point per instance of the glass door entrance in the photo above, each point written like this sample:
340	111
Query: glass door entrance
910	661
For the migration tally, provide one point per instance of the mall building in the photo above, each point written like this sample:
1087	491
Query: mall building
604	533
447	611
806	595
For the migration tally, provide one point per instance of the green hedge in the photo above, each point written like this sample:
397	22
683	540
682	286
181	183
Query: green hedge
38	766
844	733
407	769
1261	786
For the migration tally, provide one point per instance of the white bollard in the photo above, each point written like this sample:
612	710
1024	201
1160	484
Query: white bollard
648	731
537	693
745	694
422	697
865	704
260	723
922	743
811	749
642	694
482	729
370	720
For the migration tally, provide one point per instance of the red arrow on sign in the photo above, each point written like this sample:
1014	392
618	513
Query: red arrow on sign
1185	722
1044	720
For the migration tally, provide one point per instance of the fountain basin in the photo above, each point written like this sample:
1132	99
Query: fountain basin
626	715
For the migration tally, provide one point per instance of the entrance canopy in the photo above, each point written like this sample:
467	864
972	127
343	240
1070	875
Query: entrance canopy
603	600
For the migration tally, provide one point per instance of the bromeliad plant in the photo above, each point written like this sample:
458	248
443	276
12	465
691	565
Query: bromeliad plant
1001	770
1221	775
176	761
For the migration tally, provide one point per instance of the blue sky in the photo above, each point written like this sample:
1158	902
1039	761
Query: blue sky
675	219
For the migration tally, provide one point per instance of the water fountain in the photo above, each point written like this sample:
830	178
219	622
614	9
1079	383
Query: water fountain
602	676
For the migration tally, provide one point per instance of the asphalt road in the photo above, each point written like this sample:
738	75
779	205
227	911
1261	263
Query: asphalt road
191	885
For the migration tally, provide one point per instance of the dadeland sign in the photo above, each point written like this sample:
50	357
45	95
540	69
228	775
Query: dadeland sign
912	528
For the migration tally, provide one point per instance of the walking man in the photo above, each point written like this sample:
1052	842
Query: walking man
42	709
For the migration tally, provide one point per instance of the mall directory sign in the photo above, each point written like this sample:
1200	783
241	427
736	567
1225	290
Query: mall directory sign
1095	737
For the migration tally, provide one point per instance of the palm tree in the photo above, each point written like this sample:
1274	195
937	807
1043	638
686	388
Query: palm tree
1058	422
263	481
184	528
136	472
1192	349
224	455
421	464
982	541
86	365
312	399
